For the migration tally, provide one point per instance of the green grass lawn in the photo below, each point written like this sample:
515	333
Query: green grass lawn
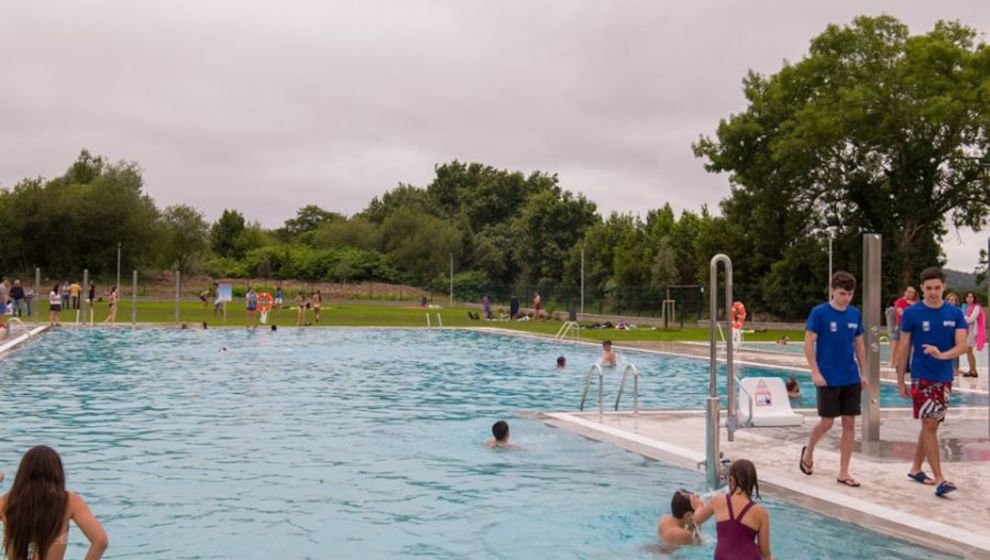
386	315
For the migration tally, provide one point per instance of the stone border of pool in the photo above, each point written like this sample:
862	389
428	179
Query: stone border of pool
862	511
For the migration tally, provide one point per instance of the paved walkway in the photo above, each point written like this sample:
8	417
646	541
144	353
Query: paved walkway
887	500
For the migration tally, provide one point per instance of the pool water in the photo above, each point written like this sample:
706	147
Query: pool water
355	444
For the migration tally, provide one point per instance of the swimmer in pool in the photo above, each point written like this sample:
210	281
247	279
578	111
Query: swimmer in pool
561	362
500	430
678	528
608	355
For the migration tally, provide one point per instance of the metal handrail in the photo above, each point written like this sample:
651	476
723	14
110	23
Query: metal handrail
13	320
622	385
566	328
713	473
749	397
601	388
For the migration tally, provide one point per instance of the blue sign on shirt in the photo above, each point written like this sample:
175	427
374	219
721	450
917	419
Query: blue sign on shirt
936	327
834	351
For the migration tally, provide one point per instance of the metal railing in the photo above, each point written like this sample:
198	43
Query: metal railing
622	384
567	328
601	388
15	321
713	459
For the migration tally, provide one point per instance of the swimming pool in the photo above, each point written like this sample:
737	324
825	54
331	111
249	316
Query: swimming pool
353	444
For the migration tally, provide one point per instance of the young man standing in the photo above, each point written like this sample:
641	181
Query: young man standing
934	334
834	348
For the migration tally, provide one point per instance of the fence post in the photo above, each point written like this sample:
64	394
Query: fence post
177	280
134	301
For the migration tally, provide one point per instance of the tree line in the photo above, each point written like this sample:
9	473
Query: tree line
874	130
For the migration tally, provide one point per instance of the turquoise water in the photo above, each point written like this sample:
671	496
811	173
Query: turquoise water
354	444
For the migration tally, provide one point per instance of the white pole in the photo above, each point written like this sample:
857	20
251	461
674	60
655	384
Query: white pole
451	302
134	301
582	282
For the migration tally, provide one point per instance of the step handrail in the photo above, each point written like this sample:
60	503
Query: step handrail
16	320
622	384
601	388
566	328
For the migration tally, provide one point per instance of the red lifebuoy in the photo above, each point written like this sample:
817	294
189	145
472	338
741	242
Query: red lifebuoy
738	315
265	301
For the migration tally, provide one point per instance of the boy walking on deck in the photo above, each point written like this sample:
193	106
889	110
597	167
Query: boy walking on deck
834	348
934	334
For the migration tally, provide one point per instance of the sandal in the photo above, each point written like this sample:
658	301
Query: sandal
851	482
805	467
922	477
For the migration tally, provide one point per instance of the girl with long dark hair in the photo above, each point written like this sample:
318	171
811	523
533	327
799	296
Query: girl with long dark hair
743	526
37	510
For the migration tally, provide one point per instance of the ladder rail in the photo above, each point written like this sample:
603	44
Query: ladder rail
622	384
601	387
566	328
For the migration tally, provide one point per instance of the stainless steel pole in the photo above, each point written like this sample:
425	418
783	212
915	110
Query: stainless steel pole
828	284
37	294
450	303
712	432
134	300
986	302
872	286
177	282
84	296
582	282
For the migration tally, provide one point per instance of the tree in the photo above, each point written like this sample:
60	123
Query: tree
308	219
185	237
874	130
225	232
547	227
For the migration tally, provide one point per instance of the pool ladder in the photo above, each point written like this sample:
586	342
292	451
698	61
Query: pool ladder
568	327
11	321
597	368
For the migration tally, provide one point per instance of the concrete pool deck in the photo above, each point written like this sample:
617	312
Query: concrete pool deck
888	501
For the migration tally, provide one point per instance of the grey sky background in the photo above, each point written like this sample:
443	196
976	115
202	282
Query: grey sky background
266	107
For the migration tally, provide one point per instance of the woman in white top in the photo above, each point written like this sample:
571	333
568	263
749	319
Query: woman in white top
37	510
54	307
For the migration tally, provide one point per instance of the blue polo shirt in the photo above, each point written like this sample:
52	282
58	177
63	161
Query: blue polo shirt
936	327
834	351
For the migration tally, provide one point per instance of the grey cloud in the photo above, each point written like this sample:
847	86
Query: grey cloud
267	107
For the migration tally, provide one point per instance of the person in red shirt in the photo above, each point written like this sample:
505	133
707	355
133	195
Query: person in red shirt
909	298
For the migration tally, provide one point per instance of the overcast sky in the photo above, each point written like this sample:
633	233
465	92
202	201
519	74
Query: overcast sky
269	106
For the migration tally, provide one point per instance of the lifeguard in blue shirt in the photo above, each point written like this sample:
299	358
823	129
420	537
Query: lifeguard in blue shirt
834	348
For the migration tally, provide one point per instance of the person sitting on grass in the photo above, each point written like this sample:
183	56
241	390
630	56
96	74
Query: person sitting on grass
678	528
500	430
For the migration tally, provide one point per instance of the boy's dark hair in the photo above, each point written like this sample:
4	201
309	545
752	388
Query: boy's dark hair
680	504
792	384
561	361
500	430
932	273
842	280
606	341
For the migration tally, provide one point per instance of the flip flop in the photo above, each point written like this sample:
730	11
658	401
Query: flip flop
851	482
921	477
805	467
945	488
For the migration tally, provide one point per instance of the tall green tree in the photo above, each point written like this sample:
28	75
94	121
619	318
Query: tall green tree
875	130
225	233
185	237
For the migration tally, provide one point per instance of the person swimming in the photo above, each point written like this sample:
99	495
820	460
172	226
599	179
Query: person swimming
793	388
608	355
500	431
561	362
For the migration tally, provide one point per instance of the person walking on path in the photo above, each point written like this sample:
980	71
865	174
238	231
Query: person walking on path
114	298
934	334
834	348
976	337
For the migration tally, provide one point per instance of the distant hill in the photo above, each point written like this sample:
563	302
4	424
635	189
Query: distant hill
960	282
